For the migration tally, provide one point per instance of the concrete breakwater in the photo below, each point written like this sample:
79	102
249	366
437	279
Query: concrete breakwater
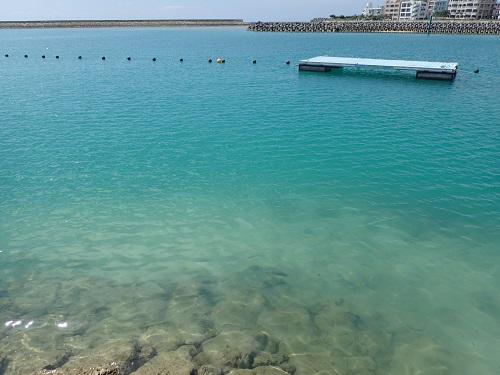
119	23
437	27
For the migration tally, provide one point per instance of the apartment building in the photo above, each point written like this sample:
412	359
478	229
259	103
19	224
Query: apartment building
392	9
471	9
371	11
437	6
496	11
413	10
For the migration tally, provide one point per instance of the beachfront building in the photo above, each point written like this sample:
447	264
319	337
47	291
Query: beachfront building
391	9
471	9
413	10
496	11
437	6
371	11
405	9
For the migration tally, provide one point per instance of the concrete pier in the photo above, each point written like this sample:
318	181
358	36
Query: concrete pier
423	69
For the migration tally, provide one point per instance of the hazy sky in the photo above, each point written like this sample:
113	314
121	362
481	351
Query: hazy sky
250	10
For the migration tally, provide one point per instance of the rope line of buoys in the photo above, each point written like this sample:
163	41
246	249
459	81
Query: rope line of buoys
219	60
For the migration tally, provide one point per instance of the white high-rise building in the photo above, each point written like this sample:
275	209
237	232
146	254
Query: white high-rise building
391	9
371	11
413	10
471	9
437	6
496	11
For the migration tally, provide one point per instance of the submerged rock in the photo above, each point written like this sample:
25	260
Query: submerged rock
239	311
114	358
188	313
267	370
163	339
25	351
268	359
178	362
315	363
210	370
234	349
291	324
241	350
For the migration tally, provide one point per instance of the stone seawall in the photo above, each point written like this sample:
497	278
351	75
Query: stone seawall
438	27
119	23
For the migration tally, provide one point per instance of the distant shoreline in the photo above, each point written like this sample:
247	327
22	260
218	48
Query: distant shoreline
119	23
439	26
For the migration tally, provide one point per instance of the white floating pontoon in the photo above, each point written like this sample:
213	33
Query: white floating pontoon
424	69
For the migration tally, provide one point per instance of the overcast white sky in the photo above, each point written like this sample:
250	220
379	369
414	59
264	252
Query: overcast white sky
249	10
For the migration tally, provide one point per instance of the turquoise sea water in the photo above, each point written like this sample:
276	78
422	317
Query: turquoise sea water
352	218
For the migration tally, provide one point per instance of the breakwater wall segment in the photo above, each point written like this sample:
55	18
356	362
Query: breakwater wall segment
437	27
119	23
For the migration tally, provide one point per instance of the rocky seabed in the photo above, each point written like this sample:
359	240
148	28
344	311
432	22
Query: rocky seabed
191	329
438	27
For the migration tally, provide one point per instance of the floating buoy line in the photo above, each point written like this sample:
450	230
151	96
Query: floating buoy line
218	60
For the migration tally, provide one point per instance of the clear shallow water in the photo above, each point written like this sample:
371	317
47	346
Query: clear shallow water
352	218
